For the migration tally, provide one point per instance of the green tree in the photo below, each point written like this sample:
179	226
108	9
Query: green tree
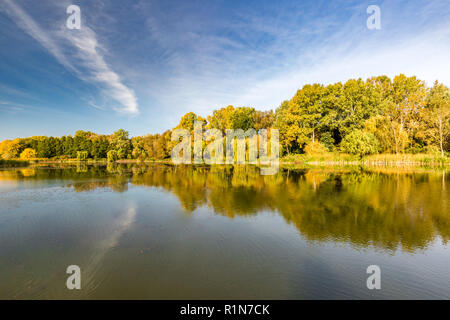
402	108
99	147
121	144
139	151
327	140
307	110
82	155
436	117
243	118
358	102
361	143
112	156
301	119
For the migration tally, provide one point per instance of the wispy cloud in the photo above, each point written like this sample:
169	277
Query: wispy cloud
10	107
10	91
183	56
80	52
259	57
96	69
94	105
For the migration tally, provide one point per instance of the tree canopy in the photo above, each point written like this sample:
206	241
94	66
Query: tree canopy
399	115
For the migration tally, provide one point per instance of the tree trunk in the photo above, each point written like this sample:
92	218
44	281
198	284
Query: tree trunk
394	133
441	137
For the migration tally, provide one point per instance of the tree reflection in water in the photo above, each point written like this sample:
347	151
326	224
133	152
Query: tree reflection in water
385	208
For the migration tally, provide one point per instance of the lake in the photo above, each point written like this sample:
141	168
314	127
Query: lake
167	232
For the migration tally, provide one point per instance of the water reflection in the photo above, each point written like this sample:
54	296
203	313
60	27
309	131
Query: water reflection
118	226
387	208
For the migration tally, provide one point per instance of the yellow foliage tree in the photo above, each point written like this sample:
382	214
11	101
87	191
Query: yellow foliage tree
28	154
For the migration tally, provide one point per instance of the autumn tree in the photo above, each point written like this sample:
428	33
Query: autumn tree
263	119
139	152
121	144
112	156
287	132
356	116
27	154
436	116
243	118
188	120
301	118
221	119
361	143
401	109
11	149
358	102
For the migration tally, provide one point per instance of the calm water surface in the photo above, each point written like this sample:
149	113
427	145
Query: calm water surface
163	232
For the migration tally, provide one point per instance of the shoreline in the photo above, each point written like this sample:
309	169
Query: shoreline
313	163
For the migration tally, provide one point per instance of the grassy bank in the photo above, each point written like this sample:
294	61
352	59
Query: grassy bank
372	160
13	163
331	159
407	159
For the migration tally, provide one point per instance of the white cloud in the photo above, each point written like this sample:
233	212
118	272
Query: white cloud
262	60
424	55
89	57
188	59
80	52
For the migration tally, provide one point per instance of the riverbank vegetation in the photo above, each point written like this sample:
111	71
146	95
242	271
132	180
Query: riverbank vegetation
13	163
380	120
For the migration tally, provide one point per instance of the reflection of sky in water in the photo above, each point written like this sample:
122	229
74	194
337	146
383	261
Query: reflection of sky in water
5	185
141	242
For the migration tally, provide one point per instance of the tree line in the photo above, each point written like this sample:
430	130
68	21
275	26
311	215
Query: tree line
378	115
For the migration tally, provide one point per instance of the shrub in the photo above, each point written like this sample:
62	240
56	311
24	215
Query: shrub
315	148
82	155
433	150
416	149
327	140
360	143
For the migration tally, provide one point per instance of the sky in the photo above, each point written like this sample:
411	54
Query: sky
141	65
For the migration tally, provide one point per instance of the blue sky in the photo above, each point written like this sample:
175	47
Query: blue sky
141	65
